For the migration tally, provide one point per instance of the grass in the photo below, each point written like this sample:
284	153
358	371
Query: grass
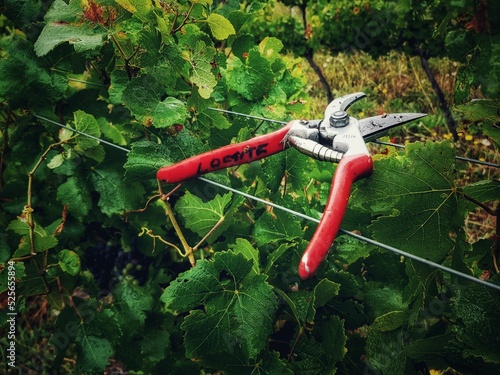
391	82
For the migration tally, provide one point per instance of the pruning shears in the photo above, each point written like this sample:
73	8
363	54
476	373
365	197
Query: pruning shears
337	138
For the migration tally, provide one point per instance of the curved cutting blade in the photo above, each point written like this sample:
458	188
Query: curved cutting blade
342	103
374	127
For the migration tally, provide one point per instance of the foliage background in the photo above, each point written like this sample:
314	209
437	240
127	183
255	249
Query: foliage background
104	280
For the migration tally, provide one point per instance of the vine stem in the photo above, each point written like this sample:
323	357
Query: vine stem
28	211
184	21
188	250
155	237
28	208
221	220
490	211
126	59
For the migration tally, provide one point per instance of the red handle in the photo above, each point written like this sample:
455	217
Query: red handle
350	169
224	157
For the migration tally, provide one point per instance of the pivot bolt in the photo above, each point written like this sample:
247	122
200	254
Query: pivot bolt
339	119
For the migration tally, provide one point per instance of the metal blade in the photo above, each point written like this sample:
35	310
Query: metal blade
342	103
374	127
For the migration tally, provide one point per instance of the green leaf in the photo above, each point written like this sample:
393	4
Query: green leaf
384	351
116	195
242	246
19	269
304	303
242	44
63	25
69	262
383	298
135	302
484	112
210	119
4	250
478	309
320	352
156	345
75	196
144	160
220	26
350	249
169	112
273	170
428	348
324	291
390	321
43	241
416	199
201	217
483	191
23	72
232	296
281	228
140	8
87	124
270	48
251	79
200	58
275	255
143	96
94	353
56	161
113	132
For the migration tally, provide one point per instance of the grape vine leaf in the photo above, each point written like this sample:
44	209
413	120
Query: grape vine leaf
42	239
238	307
86	123
74	194
483	191
304	303
478	309
385	352
220	26
270	48
209	119
116	196
144	97
281	228
485	112
94	353
139	8
244	247
155	345
252	78
416	199
200	58
144	160
135	303
69	262
63	24
201	217
318	353
23	72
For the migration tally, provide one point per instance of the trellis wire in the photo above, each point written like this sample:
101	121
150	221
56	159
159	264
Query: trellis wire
304	216
461	158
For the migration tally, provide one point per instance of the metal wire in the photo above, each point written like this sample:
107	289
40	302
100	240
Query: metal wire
461	158
248	116
309	218
82	133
